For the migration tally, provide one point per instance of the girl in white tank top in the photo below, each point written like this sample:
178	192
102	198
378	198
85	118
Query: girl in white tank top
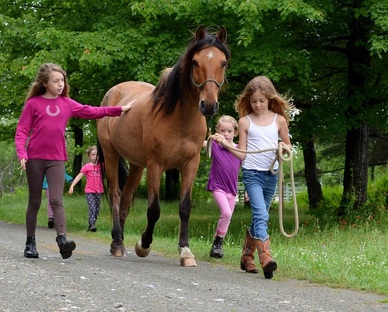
263	120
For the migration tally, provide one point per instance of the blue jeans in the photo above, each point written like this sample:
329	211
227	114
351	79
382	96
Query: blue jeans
261	187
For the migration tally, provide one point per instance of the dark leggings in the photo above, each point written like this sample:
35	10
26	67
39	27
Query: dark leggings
55	172
94	202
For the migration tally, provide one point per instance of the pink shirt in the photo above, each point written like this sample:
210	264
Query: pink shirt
93	178
40	133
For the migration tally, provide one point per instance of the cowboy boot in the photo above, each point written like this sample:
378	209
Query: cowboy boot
65	247
30	251
247	262
267	263
216	251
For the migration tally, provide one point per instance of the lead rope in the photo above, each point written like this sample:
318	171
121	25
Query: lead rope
280	158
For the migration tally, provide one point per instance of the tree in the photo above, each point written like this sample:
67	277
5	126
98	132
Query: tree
329	55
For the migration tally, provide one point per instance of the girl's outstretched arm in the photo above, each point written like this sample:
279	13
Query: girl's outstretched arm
76	180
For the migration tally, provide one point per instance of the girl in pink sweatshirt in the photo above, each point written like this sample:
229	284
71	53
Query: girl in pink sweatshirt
41	149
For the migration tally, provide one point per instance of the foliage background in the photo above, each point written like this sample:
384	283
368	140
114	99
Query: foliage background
300	45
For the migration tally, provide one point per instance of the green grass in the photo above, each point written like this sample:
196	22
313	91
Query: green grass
339	255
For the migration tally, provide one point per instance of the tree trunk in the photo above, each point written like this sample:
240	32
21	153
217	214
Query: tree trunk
77	161
172	185
356	158
314	189
356	170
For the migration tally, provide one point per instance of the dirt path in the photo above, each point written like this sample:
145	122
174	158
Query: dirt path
93	280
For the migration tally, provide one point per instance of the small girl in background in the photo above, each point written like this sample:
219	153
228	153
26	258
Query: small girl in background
93	188
223	179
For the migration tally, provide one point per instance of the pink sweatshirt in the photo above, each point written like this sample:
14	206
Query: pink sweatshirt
40	133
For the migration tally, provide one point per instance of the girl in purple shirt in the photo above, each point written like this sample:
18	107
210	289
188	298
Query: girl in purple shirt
93	188
41	149
223	179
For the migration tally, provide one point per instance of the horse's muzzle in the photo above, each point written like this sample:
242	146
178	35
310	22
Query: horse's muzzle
208	110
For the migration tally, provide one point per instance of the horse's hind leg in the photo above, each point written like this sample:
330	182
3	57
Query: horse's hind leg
143	246
111	165
127	194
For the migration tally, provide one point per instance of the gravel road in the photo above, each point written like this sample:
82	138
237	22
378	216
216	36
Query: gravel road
93	280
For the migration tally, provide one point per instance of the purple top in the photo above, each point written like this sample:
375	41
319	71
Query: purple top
223	171
40	133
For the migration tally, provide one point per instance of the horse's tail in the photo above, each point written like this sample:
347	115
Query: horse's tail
123	172
123	169
100	160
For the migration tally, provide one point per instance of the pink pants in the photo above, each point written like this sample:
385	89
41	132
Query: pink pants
225	202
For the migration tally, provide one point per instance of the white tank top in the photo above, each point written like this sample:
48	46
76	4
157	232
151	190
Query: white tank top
259	138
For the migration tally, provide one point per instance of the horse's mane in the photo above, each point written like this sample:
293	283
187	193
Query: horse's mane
175	82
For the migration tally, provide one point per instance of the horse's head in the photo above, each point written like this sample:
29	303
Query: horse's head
200	72
208	68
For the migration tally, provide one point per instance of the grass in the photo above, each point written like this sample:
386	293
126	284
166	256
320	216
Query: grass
338	255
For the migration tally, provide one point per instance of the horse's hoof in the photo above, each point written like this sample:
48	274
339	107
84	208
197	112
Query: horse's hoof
140	251
117	251
187	258
188	262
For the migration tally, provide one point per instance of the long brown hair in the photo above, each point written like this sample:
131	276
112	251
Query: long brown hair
277	103
42	77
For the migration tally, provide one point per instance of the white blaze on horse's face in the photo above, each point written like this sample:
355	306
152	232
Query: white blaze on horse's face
210	55
209	74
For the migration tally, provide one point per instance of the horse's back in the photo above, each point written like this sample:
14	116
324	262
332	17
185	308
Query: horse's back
124	92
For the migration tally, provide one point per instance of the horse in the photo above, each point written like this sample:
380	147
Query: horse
164	129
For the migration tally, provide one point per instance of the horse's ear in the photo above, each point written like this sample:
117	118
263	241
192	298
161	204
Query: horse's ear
221	34
200	33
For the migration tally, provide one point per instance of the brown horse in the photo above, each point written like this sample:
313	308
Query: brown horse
164	129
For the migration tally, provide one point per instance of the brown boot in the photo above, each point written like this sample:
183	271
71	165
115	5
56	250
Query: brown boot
267	263
247	259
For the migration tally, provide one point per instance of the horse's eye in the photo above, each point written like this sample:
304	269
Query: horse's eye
195	64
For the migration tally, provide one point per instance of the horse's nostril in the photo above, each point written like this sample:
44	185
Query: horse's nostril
208	110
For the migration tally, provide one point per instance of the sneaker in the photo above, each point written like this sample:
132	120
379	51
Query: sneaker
92	228
50	223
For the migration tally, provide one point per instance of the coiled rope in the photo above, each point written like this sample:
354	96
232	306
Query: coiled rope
281	151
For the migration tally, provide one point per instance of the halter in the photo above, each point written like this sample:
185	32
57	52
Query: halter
200	85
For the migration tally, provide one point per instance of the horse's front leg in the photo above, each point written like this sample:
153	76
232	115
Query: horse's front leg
111	164
116	247
143	246
186	257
